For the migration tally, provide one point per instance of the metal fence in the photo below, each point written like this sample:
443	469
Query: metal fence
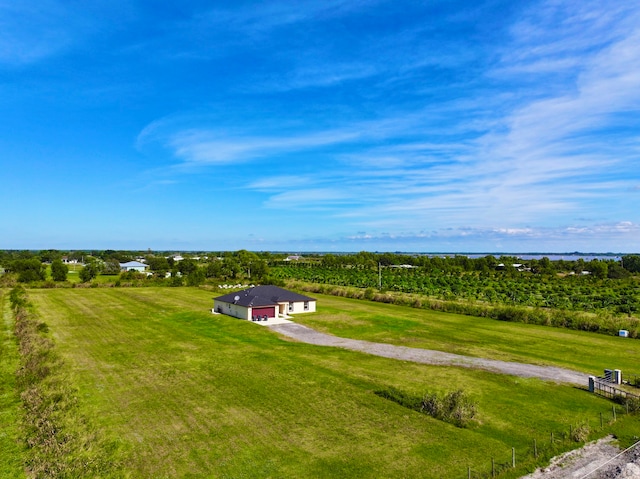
604	388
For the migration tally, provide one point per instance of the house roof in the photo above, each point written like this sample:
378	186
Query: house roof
131	264
262	296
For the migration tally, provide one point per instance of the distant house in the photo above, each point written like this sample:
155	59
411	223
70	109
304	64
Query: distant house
133	266
263	301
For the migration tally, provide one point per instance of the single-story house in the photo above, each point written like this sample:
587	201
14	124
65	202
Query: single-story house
261	301
133	266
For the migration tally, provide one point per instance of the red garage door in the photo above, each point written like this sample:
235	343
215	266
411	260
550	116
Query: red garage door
269	312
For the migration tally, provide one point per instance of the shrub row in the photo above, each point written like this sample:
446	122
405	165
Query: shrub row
600	323
454	407
60	443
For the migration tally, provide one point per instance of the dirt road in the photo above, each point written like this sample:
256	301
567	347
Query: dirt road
427	356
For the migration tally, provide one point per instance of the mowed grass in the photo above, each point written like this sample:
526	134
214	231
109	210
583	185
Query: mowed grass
472	336
192	394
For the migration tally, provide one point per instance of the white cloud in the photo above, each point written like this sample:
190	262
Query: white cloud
214	147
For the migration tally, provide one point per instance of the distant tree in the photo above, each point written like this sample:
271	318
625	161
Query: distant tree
545	266
330	261
616	271
132	275
187	266
230	268
77	255
89	272
196	278
213	269
111	266
631	263
176	278
579	266
50	255
29	270
599	269
259	270
59	270
158	264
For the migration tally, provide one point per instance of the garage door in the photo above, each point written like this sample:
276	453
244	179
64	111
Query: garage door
269	312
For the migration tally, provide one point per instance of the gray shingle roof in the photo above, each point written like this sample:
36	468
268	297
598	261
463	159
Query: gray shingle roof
267	295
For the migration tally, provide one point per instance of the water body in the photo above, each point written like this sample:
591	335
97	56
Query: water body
552	257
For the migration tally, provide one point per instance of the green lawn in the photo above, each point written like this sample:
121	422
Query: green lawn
473	336
191	394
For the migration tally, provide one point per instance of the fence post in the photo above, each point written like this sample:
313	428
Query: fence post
513	457
469	472
601	423
617	376
535	449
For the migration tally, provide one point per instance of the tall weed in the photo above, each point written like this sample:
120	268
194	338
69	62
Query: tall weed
60	442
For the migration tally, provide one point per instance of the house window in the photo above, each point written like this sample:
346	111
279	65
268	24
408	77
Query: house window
290	307
306	305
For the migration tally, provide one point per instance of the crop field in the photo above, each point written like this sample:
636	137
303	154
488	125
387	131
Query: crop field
179	392
525	289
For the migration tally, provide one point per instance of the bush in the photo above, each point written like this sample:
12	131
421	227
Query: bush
580	433
59	270
631	403
89	272
455	407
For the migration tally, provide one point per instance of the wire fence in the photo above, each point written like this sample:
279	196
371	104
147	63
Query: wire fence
544	448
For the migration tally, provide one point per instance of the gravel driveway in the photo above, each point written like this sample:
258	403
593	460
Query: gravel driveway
427	356
597	460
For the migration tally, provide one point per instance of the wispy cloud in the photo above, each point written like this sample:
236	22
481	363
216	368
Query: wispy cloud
485	164
206	147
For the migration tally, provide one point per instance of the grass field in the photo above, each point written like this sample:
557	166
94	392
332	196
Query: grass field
189	394
473	336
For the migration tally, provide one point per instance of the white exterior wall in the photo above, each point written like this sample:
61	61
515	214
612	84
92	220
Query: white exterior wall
231	309
298	307
134	268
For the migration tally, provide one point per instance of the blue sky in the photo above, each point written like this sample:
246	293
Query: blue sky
340	125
